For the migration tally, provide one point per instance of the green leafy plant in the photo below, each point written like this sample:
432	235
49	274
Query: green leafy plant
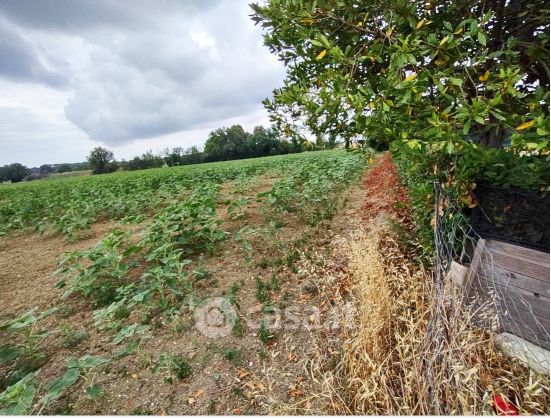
233	355
450	90
76	369
17	399
264	334
173	368
128	332
28	335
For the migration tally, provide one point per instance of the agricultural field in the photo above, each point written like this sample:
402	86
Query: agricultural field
156	291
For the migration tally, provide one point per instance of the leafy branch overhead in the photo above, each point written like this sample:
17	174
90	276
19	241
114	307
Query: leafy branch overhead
459	90
428	71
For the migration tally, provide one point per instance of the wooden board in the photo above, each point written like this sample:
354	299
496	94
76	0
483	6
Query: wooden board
527	254
516	280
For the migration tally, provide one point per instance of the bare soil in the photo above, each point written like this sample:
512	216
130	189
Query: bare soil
234	374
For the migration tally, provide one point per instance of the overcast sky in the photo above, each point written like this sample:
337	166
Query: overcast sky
129	75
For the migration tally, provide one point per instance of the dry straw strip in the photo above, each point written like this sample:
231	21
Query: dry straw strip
410	351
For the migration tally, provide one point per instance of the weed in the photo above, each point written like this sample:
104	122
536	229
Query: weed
263	263
262	291
238	328
72	338
173	368
274	283
211	408
264	334
232	294
66	311
138	411
262	354
233	355
182	326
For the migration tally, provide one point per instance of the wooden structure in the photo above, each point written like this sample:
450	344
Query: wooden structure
515	280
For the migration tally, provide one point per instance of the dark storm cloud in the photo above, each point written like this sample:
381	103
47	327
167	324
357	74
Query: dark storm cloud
142	68
79	15
20	60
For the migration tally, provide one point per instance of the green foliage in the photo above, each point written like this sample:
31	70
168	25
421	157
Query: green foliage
14	172
442	83
76	369
264	334
263	291
233	355
17	399
238	328
128	332
28	335
102	161
232	295
145	161
72	338
311	189
173	368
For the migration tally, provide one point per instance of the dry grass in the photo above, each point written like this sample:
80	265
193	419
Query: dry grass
411	351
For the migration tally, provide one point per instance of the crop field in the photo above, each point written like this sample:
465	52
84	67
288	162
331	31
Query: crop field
154	292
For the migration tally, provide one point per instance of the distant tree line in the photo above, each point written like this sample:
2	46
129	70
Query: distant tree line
222	144
16	172
228	143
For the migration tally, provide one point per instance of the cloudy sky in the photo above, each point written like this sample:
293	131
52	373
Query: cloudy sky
129	75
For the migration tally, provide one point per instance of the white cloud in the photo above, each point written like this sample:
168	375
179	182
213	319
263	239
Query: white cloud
149	77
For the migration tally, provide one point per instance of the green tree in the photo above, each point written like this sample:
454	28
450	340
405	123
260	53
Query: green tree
444	83
63	167
264	142
412	70
46	169
101	160
227	144
14	172
145	161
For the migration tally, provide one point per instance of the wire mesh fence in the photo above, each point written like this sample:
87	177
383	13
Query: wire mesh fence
513	216
493	285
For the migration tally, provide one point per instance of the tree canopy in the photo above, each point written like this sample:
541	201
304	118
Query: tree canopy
102	160
14	172
444	83
412	70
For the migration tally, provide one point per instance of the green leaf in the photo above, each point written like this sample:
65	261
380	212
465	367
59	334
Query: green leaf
455	81
55	388
481	38
129	349
9	353
94	391
17	399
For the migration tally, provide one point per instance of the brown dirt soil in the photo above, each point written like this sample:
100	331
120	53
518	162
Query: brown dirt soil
26	265
230	375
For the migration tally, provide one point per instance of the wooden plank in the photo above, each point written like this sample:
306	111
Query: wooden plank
534	334
528	328
515	299
526	254
521	323
508	278
506	305
516	265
